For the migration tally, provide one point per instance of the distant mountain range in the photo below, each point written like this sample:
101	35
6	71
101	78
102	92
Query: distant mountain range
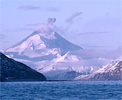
11	70
112	71
50	54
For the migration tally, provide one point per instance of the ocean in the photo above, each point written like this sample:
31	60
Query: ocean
61	90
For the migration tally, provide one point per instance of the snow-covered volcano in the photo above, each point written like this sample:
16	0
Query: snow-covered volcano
44	42
49	53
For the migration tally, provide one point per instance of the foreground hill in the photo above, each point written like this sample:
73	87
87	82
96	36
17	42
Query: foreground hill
11	70
112	71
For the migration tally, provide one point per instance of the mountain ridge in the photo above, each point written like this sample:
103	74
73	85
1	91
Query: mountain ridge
112	71
11	70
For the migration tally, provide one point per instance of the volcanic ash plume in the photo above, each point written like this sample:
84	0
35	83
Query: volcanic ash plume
51	20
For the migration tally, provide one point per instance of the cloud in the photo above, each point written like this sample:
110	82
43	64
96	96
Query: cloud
28	8
2	36
99	32
71	18
97	53
36	24
18	29
51	9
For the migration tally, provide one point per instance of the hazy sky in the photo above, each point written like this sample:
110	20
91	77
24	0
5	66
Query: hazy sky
92	24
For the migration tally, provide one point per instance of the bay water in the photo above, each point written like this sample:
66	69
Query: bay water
61	90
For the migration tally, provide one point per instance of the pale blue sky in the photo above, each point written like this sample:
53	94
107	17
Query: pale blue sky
92	24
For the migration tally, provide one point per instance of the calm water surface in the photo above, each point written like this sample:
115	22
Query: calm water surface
65	90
